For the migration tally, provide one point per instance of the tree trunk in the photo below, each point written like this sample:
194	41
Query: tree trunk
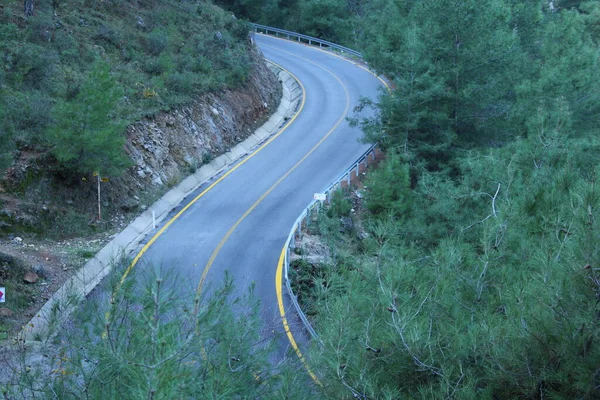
29	7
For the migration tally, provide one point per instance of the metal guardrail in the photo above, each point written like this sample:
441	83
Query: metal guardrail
308	39
296	230
346	176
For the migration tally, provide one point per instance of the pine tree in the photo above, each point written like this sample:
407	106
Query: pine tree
88	134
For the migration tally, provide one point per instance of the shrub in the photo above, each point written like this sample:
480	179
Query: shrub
339	205
155	42
181	82
389	187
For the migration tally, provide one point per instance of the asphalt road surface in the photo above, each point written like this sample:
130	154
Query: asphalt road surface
241	224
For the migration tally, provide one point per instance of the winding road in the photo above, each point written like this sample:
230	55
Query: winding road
240	225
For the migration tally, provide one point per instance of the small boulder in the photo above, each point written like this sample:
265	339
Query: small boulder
5	313
347	224
30	277
39	270
129	205
140	24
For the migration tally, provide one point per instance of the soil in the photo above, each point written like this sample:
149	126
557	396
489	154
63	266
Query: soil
53	262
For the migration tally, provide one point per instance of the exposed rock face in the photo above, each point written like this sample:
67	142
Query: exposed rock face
164	148
173	144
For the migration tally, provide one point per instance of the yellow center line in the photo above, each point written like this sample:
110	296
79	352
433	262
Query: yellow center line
279	272
265	194
187	206
331	54
279	275
257	202
195	199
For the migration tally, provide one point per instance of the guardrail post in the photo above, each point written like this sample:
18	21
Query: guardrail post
357	169
349	178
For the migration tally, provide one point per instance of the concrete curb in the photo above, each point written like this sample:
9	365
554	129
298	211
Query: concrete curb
89	276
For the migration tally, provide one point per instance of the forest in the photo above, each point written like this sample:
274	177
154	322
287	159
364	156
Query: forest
473	269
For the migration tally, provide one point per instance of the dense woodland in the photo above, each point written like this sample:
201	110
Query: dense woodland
475	269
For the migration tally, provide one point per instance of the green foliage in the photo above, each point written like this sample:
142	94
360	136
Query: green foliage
302	275
260	11
154	342
501	304
87	134
339	205
389	188
160	54
477	274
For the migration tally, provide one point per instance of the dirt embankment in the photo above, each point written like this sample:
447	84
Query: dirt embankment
36	209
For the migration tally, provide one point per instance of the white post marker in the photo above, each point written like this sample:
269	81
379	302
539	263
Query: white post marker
2	294
97	175
153	220
320	196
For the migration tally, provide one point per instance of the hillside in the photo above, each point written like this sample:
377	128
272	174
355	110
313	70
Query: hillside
75	75
143	93
149	56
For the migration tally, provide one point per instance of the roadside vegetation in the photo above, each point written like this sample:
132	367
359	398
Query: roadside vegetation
152	342
75	73
473	270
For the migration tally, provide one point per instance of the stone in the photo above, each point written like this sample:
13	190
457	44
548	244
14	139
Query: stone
39	270
18	240
347	224
214	111
140	22
129	205
5	313
30	277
